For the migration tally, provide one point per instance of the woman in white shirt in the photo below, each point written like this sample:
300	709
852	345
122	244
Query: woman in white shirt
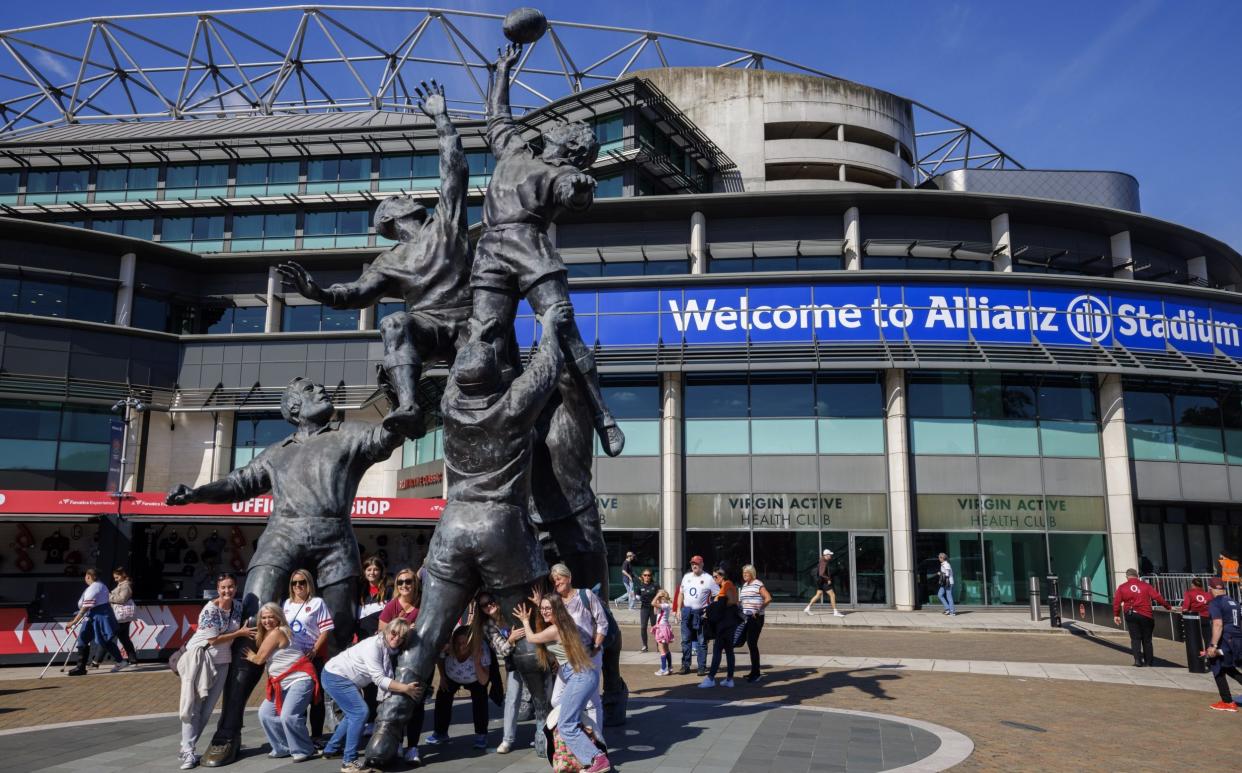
291	686
370	661
204	666
98	623
464	664
311	624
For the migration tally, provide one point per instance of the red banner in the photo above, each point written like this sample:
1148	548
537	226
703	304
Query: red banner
155	627
52	503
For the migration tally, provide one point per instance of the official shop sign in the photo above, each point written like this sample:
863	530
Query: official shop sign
987	313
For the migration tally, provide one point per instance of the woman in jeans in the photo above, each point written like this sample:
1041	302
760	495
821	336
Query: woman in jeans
370	661
463	666
502	637
291	686
312	625
562	640
122	597
407	596
754	598
204	666
726	626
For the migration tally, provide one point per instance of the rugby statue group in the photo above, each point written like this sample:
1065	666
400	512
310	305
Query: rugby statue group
518	440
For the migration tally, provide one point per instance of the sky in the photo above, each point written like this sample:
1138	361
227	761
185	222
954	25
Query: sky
1145	87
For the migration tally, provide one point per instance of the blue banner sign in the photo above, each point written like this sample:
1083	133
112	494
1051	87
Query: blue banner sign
1053	316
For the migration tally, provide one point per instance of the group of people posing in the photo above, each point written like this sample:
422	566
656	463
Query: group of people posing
567	625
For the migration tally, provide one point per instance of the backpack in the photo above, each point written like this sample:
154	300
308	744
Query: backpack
614	632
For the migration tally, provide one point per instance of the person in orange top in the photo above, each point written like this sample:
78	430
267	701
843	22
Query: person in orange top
1228	567
726	618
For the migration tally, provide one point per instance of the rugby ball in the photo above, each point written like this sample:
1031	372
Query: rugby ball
525	25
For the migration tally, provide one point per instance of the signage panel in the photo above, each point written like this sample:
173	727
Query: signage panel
1010	512
982	311
628	511
790	512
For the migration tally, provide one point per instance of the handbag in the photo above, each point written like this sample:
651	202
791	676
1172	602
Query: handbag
125	613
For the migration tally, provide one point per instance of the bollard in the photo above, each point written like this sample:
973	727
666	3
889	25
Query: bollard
1054	600
1034	588
1193	634
1088	596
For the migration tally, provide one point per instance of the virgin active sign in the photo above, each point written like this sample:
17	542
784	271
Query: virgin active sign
987	313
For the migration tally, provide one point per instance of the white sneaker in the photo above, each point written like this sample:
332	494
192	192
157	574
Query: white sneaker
119	667
411	754
189	760
727	683
707	682
807	610
835	613
504	748
662	672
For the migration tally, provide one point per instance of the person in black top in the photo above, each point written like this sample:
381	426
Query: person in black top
646	591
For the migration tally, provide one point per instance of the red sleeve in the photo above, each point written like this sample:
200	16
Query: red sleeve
388	612
1116	601
1155	594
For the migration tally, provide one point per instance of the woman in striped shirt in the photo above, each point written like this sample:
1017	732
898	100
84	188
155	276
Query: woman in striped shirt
754	598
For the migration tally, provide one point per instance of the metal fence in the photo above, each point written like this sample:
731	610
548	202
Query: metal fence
1174	586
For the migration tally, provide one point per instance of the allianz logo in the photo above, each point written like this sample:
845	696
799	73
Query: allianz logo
1086	317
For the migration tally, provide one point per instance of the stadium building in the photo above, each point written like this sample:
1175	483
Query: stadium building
828	316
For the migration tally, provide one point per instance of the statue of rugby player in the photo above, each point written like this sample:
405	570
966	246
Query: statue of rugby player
484	538
514	257
429	267
313	476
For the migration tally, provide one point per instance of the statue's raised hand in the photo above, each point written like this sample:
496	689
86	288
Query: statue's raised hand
431	99
507	57
179	496
300	278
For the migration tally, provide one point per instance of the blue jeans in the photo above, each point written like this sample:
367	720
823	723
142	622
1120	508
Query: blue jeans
287	732
692	636
946	597
580	687
513	699
349	730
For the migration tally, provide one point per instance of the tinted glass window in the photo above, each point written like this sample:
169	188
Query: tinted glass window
253	173
1004	396
181	176
144	177
41	182
92	304
782	396
632	398
846	395
43	298
9	182
177	229
715	398
353	221
247	226
320	223
1148	408
355	168
934	394
1067	398
1196	410
111	179
150	313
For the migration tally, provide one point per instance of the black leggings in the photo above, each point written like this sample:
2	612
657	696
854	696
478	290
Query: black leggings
444	706
646	617
754	627
1141	629
122	635
723	643
1222	686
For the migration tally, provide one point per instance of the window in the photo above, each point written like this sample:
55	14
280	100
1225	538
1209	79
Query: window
411	172
313	318
236	319
732	265
338	175
58	297
609	131
264	232
9	183
136	227
56	186
1183	421
610	187
347	228
254	432
200	234
125	183
196	181
266	178
481	163
53	446
635	402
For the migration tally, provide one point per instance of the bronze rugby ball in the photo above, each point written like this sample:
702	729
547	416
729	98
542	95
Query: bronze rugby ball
525	25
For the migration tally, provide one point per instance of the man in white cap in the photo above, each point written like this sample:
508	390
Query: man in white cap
823	584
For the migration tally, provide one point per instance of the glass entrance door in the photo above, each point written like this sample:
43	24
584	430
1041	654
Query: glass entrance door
870	569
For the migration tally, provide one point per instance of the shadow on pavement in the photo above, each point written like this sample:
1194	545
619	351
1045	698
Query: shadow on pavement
1122	647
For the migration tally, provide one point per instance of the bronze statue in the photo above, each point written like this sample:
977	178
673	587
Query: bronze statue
313	477
429	268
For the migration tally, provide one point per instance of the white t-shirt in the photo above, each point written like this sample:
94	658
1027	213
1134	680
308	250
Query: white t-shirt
95	594
947	571
307	621
462	671
697	590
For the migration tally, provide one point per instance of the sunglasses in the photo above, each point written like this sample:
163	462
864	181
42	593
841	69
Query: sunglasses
404	582
646	575
298	582
487	602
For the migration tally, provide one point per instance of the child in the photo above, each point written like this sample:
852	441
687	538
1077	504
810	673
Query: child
663	606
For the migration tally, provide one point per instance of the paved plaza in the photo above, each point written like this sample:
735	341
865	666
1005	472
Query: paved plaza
919	697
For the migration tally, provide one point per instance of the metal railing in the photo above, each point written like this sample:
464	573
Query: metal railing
1174	586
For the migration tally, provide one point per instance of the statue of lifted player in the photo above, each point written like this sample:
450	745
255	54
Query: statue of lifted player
484	538
429	268
313	476
514	257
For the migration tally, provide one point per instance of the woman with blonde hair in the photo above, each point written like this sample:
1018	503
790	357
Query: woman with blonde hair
291	685
564	641
311	623
406	598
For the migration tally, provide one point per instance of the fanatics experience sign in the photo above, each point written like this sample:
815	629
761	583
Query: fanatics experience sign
987	313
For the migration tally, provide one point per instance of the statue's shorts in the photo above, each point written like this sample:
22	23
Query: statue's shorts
325	546
512	258
485	543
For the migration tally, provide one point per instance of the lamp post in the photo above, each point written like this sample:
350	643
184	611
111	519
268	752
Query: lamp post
126	407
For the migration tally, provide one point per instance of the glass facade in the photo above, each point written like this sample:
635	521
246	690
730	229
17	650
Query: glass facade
1184	421
45	445
197	234
994	413
196	181
253	432
55	296
339	229
266	178
314	318
338	175
127	183
264	232
235	319
56	186
635	402
794	413
1186	538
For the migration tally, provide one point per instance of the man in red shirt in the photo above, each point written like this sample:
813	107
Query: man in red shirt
1195	602
1136	597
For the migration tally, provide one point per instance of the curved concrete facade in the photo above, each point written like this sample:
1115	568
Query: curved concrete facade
786	128
1115	190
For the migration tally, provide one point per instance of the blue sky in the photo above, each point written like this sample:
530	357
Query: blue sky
1145	87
